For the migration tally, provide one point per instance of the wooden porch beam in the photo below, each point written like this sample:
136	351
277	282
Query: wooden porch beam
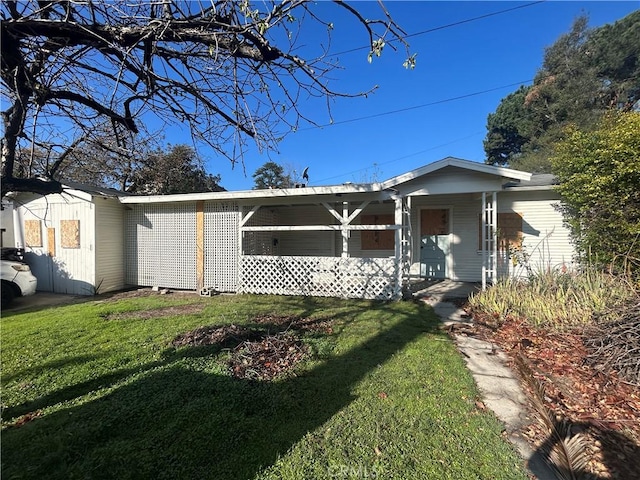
200	244
245	219
333	212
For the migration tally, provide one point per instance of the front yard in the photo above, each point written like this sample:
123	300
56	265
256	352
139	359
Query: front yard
282	387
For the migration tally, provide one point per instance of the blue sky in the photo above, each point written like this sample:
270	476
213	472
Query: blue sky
366	142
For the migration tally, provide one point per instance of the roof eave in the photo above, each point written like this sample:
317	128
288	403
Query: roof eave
459	163
255	194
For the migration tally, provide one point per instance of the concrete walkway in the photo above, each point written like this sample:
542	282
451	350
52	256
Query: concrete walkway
43	300
498	385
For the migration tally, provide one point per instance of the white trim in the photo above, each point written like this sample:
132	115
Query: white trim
307	228
518	188
459	163
73	193
288	193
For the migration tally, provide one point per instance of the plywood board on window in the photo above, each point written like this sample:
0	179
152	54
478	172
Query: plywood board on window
51	241
434	221
70	233
33	233
509	232
377	239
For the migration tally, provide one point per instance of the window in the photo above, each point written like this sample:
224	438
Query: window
377	239
509	230
33	233
70	232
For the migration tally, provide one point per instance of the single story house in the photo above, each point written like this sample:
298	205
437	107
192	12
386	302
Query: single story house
453	219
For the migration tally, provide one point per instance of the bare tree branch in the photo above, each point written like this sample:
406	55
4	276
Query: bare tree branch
228	70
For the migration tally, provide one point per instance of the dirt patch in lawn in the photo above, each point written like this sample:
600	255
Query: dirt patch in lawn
269	350
293	322
600	406
267	358
146	292
223	335
189	309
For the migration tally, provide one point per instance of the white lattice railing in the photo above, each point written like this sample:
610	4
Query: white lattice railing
370	278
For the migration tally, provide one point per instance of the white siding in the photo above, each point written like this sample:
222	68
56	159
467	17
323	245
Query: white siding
109	216
451	180
6	224
355	240
70	270
544	236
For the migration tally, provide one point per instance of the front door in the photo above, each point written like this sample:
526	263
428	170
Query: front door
434	242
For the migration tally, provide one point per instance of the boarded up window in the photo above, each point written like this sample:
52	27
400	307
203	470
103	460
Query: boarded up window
33	233
70	233
51	241
377	239
434	221
509	230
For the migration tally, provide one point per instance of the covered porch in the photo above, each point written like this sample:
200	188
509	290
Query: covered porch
350	245
352	241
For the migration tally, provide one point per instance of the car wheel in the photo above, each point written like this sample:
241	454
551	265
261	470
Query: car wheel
7	294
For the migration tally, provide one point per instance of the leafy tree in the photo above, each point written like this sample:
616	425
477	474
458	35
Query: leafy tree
599	173
509	129
177	171
271	175
584	74
231	71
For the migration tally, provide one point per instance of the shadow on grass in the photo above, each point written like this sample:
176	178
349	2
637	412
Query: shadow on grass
54	364
176	422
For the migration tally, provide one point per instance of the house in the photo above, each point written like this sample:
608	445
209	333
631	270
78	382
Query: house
453	218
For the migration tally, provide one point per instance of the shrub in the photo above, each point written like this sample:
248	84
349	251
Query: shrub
552	298
599	173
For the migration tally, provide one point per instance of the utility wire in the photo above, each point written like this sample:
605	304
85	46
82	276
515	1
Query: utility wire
376	164
406	109
449	25
437	102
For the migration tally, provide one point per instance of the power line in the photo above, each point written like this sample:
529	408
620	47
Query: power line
401	158
406	109
437	102
449	25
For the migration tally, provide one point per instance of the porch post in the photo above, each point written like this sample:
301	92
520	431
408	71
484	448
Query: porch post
345	229
489	244
399	247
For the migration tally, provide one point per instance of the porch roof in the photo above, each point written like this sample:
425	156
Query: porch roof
381	190
284	194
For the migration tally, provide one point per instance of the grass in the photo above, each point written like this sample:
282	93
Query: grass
553	298
91	394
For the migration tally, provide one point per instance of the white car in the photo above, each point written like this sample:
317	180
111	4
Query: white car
17	281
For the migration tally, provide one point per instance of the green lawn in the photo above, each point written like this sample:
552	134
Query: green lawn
95	390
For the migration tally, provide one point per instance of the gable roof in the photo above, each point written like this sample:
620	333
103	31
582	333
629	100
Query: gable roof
459	163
